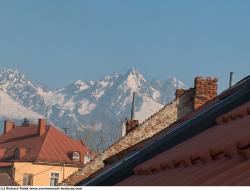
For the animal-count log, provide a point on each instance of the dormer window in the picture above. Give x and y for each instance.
(76, 156)
(17, 153)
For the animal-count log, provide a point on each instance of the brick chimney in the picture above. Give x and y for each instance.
(205, 89)
(41, 127)
(8, 126)
(131, 124)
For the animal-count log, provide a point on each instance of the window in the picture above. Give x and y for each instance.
(27, 179)
(54, 179)
(76, 156)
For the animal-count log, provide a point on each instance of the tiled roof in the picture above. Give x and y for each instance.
(53, 146)
(21, 137)
(217, 156)
(184, 129)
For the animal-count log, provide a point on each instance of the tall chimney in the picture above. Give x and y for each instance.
(205, 89)
(41, 127)
(8, 126)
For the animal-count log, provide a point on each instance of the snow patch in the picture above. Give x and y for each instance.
(69, 105)
(97, 93)
(86, 107)
(132, 83)
(148, 107)
(50, 98)
(81, 85)
(156, 94)
(104, 84)
(176, 83)
(14, 110)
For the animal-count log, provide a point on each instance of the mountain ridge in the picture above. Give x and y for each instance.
(99, 105)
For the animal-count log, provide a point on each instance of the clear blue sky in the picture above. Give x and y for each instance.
(55, 42)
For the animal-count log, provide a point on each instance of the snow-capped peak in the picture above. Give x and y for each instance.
(85, 103)
(134, 72)
(176, 83)
(81, 85)
(11, 109)
(134, 80)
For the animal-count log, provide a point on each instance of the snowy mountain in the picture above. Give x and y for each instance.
(11, 109)
(82, 105)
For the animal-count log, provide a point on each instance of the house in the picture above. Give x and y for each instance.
(40, 155)
(209, 146)
(186, 101)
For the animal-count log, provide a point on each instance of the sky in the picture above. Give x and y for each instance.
(55, 42)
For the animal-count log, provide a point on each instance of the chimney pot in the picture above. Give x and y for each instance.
(131, 125)
(41, 127)
(8, 126)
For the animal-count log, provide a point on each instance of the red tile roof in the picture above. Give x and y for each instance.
(53, 146)
(218, 156)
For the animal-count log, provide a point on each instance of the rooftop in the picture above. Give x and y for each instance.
(184, 132)
(217, 156)
(51, 146)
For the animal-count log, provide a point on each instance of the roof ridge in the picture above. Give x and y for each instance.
(45, 138)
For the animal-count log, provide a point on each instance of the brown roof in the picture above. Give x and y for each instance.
(218, 156)
(53, 146)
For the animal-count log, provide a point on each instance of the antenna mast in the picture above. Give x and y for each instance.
(133, 106)
(231, 79)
